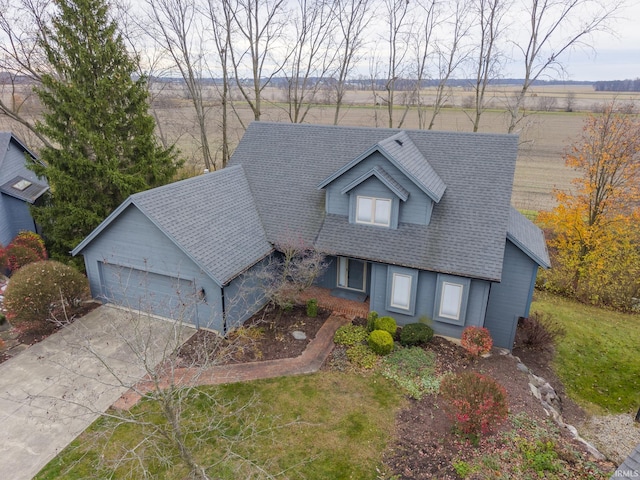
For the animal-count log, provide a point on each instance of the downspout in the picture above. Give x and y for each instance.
(224, 312)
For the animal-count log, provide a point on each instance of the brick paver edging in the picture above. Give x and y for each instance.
(308, 362)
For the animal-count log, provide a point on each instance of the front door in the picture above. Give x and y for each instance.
(352, 274)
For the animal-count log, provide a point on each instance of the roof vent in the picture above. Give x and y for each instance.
(399, 142)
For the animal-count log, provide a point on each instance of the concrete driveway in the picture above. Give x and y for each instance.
(52, 391)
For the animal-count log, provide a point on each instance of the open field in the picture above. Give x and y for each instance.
(544, 137)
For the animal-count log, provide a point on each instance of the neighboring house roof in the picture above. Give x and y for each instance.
(212, 218)
(529, 238)
(23, 189)
(285, 163)
(630, 468)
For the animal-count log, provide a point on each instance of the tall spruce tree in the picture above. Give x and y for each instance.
(96, 116)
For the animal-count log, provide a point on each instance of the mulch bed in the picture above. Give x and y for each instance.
(265, 336)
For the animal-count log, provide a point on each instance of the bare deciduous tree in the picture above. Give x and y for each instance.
(178, 25)
(554, 27)
(258, 29)
(311, 58)
(450, 54)
(354, 16)
(489, 23)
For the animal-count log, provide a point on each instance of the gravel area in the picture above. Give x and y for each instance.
(614, 435)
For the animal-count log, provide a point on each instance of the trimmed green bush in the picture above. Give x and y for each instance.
(388, 324)
(362, 356)
(371, 319)
(476, 403)
(381, 342)
(39, 288)
(350, 335)
(415, 334)
(312, 308)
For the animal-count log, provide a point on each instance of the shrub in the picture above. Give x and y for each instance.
(474, 402)
(350, 335)
(362, 356)
(412, 369)
(26, 248)
(476, 340)
(312, 308)
(539, 331)
(371, 320)
(415, 334)
(388, 324)
(38, 288)
(381, 342)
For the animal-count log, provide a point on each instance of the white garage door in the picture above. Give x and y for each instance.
(149, 292)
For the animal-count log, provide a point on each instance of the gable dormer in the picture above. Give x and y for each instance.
(392, 182)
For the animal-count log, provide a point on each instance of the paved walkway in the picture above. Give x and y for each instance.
(308, 362)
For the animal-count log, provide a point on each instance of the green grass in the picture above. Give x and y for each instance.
(598, 360)
(327, 425)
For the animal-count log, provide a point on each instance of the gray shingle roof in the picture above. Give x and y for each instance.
(630, 468)
(384, 177)
(212, 218)
(284, 163)
(528, 238)
(414, 162)
(29, 194)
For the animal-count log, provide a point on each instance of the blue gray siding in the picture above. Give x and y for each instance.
(243, 296)
(14, 214)
(417, 209)
(425, 301)
(511, 298)
(133, 242)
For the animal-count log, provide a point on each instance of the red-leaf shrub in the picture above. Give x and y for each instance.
(476, 340)
(474, 402)
(27, 247)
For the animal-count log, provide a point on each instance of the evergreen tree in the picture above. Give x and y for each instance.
(96, 116)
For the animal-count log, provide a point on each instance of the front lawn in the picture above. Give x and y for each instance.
(327, 425)
(598, 360)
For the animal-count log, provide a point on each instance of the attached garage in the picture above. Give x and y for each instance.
(182, 251)
(150, 292)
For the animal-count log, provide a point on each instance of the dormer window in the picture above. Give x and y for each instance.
(373, 211)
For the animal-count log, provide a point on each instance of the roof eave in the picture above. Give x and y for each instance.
(544, 263)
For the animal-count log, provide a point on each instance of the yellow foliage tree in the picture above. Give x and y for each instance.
(593, 232)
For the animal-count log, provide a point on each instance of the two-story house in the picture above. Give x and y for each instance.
(417, 223)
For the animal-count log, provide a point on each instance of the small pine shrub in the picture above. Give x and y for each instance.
(312, 308)
(26, 248)
(474, 402)
(415, 334)
(539, 331)
(287, 307)
(388, 324)
(476, 340)
(38, 288)
(371, 320)
(350, 335)
(362, 356)
(381, 342)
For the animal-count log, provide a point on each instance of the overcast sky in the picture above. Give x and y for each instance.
(615, 58)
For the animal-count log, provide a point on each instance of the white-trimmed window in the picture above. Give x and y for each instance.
(451, 300)
(452, 294)
(401, 291)
(373, 211)
(402, 288)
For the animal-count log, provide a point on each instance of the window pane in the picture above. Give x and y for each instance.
(364, 210)
(383, 212)
(451, 299)
(401, 291)
(342, 271)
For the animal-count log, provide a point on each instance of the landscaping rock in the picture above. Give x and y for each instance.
(298, 335)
